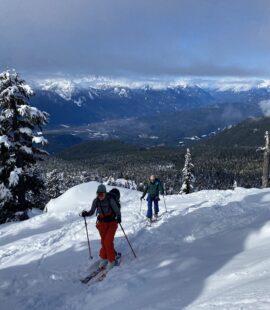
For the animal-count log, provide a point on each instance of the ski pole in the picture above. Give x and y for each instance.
(128, 241)
(165, 203)
(88, 239)
(141, 205)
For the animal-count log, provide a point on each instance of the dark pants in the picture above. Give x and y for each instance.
(150, 201)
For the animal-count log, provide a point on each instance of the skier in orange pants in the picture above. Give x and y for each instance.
(108, 218)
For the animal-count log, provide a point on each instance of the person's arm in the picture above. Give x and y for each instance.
(145, 191)
(92, 210)
(160, 188)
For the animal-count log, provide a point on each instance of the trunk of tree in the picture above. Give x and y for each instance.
(188, 190)
(265, 177)
(19, 160)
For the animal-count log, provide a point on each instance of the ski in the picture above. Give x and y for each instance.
(100, 273)
(92, 275)
(154, 220)
(103, 275)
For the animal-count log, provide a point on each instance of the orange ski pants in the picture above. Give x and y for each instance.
(107, 232)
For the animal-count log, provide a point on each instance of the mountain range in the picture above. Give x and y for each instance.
(81, 103)
(148, 114)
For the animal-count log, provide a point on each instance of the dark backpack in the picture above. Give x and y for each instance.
(115, 195)
(157, 182)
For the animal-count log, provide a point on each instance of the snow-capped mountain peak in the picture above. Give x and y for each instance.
(122, 92)
(64, 88)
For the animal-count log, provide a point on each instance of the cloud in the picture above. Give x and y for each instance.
(265, 107)
(140, 38)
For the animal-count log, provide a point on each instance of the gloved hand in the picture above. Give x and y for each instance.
(119, 220)
(85, 213)
(141, 198)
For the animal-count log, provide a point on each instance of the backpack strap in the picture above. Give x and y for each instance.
(110, 196)
(101, 209)
(105, 218)
(109, 200)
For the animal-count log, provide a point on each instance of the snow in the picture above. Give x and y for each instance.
(40, 139)
(4, 139)
(9, 92)
(121, 92)
(28, 90)
(80, 101)
(66, 87)
(14, 176)
(26, 110)
(210, 251)
(8, 113)
(91, 96)
(5, 194)
(121, 182)
(26, 130)
(26, 149)
(11, 85)
(34, 212)
(194, 138)
(264, 84)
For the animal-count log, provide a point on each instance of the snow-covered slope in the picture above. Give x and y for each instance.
(210, 251)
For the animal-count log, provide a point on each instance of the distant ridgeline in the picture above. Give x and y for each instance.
(215, 167)
(146, 115)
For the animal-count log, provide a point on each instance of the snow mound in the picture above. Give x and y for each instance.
(74, 199)
(80, 197)
(209, 251)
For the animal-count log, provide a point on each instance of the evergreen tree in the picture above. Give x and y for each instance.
(53, 185)
(20, 132)
(187, 175)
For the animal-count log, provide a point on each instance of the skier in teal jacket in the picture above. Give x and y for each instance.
(153, 189)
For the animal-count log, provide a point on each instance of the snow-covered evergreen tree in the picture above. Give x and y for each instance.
(187, 176)
(20, 132)
(53, 184)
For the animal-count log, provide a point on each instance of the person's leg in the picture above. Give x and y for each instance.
(109, 241)
(149, 207)
(102, 228)
(156, 206)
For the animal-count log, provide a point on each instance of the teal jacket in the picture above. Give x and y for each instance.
(153, 189)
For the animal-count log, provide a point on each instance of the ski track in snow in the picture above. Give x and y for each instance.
(210, 251)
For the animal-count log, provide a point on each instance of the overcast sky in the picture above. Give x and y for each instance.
(136, 38)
